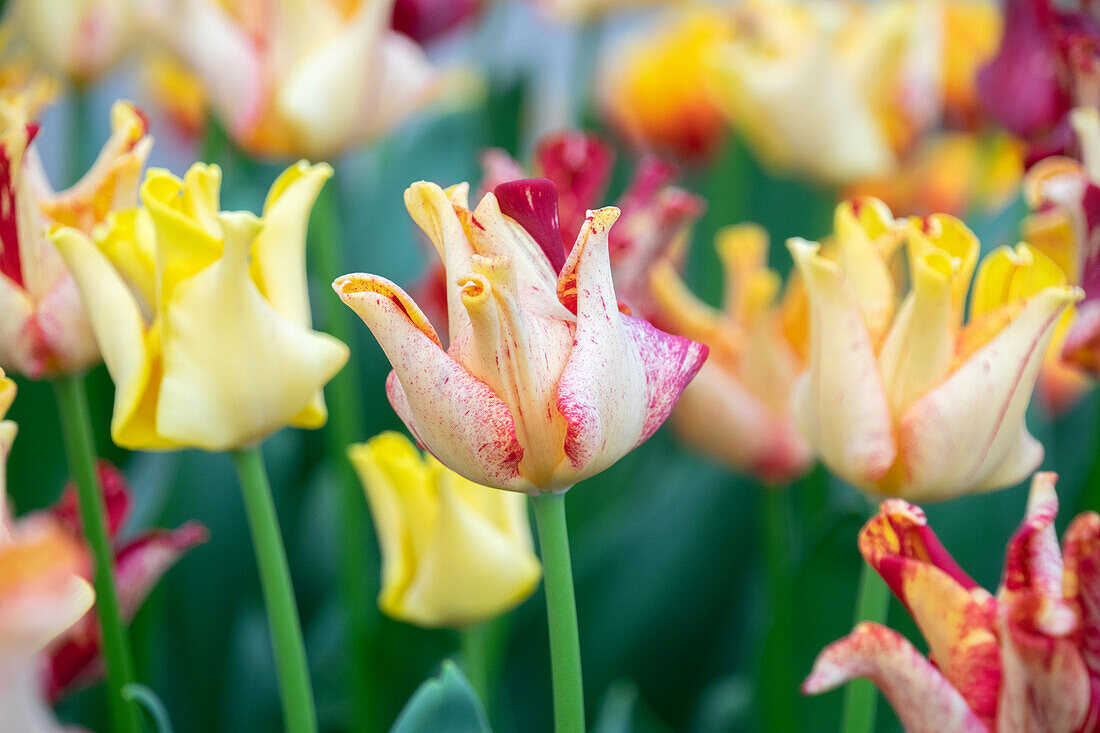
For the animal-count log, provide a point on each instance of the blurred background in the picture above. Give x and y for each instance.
(668, 547)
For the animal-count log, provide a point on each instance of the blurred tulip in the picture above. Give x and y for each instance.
(971, 32)
(545, 382)
(43, 593)
(903, 399)
(453, 552)
(46, 329)
(738, 408)
(79, 39)
(74, 658)
(289, 78)
(1023, 660)
(1065, 225)
(828, 89)
(203, 316)
(951, 173)
(424, 20)
(655, 88)
(1048, 63)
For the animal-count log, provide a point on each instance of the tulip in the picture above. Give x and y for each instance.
(1022, 660)
(655, 90)
(203, 316)
(903, 399)
(46, 329)
(74, 657)
(827, 89)
(299, 78)
(972, 30)
(424, 20)
(1064, 196)
(545, 382)
(453, 553)
(738, 409)
(80, 39)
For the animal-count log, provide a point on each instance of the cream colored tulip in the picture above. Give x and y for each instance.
(79, 39)
(203, 316)
(453, 552)
(299, 78)
(828, 89)
(45, 329)
(902, 399)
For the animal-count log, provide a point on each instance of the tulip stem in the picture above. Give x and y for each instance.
(777, 694)
(860, 696)
(357, 558)
(286, 630)
(76, 427)
(561, 612)
(476, 653)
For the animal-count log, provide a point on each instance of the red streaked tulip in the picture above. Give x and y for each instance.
(545, 382)
(290, 78)
(46, 329)
(902, 398)
(1023, 660)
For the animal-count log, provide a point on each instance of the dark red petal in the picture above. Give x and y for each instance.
(533, 203)
(116, 498)
(1024, 87)
(423, 20)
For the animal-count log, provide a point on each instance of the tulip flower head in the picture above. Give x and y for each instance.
(79, 39)
(203, 316)
(545, 382)
(655, 90)
(1022, 660)
(289, 78)
(46, 329)
(903, 399)
(827, 89)
(1064, 195)
(738, 408)
(453, 552)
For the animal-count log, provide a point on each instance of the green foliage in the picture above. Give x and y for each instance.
(443, 704)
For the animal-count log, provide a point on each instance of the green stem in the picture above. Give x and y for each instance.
(286, 630)
(80, 120)
(779, 692)
(1089, 500)
(561, 612)
(860, 696)
(80, 449)
(475, 655)
(357, 582)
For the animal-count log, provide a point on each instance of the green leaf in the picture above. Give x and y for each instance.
(444, 704)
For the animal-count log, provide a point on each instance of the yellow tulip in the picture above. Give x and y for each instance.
(738, 408)
(45, 329)
(203, 316)
(453, 552)
(298, 78)
(827, 89)
(80, 39)
(903, 399)
(654, 88)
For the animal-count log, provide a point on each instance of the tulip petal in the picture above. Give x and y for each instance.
(969, 430)
(866, 238)
(841, 405)
(234, 368)
(20, 350)
(579, 164)
(615, 360)
(1033, 561)
(1082, 591)
(923, 700)
(434, 212)
(455, 416)
(132, 356)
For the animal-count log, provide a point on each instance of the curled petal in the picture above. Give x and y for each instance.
(623, 376)
(455, 416)
(969, 430)
(579, 164)
(1034, 560)
(924, 701)
(1082, 589)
